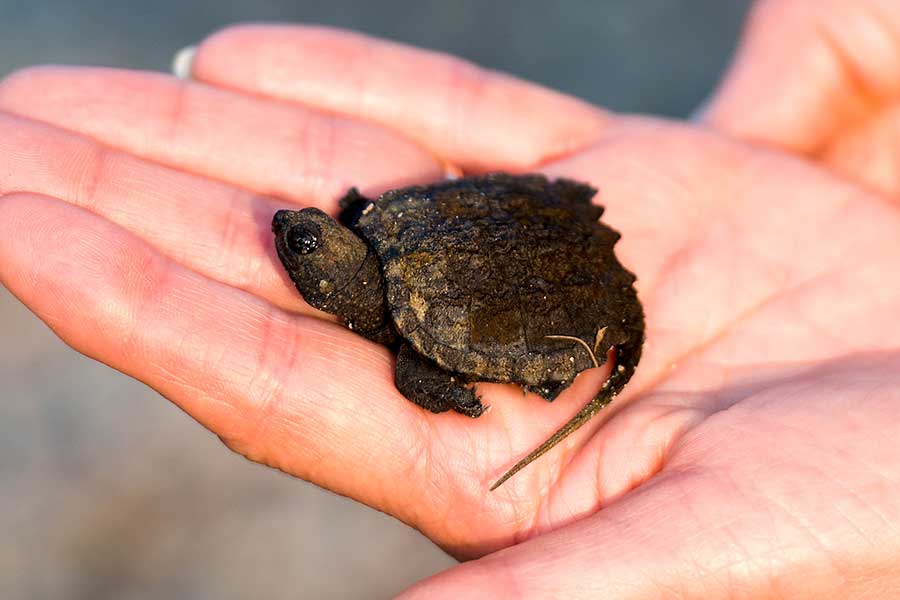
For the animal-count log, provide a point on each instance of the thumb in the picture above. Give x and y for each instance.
(807, 69)
(680, 538)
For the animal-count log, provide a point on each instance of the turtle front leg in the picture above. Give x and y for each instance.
(424, 382)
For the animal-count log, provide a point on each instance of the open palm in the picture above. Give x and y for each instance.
(757, 438)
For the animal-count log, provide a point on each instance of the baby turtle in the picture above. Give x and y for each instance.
(493, 278)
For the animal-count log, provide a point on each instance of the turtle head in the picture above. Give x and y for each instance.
(334, 270)
(301, 242)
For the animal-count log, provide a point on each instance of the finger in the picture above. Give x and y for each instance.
(270, 147)
(642, 546)
(808, 68)
(663, 538)
(305, 396)
(220, 231)
(478, 119)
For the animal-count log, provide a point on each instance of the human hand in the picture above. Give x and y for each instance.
(821, 78)
(752, 454)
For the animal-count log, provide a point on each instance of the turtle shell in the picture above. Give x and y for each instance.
(484, 274)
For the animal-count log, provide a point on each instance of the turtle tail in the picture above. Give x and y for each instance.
(628, 355)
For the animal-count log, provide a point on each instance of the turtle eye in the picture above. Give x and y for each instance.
(303, 239)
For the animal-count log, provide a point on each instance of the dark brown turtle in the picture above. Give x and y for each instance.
(494, 278)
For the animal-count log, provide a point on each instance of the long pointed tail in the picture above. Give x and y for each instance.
(627, 357)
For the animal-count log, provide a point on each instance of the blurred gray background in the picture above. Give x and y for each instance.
(107, 490)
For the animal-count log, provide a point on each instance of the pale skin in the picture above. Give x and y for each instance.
(754, 454)
(834, 100)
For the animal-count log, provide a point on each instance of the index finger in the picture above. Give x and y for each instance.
(478, 119)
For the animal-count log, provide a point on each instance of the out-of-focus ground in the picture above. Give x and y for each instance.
(107, 490)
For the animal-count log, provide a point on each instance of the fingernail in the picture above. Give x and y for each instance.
(184, 59)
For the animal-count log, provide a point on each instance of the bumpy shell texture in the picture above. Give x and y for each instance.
(483, 274)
